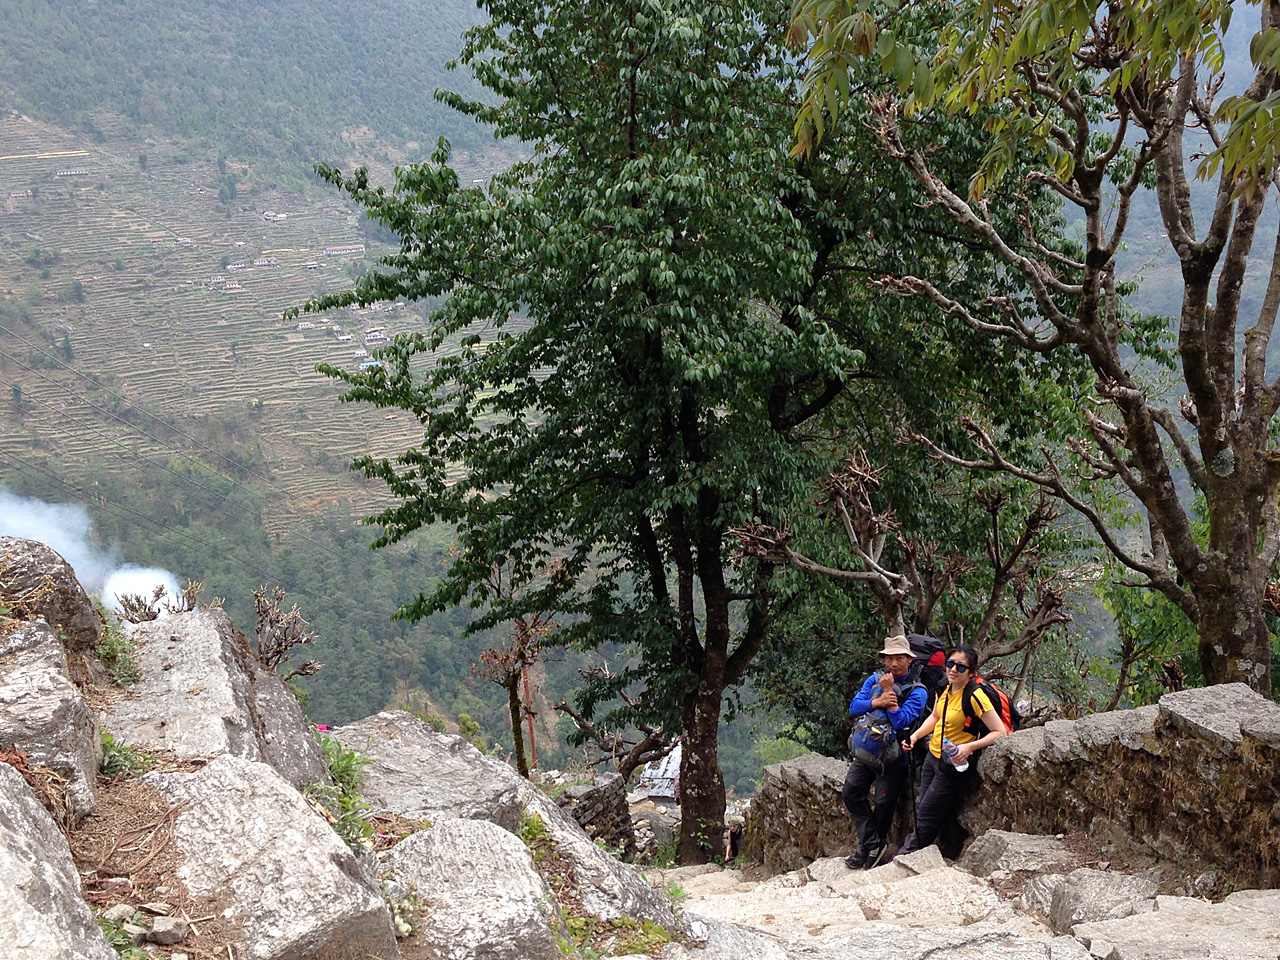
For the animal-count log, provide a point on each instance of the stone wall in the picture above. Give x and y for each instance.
(1194, 781)
(601, 810)
(797, 816)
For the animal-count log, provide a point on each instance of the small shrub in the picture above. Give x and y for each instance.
(120, 942)
(407, 913)
(118, 758)
(116, 654)
(347, 811)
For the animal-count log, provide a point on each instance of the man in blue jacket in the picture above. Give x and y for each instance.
(898, 696)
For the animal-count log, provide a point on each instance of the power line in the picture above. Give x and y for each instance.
(321, 546)
(166, 533)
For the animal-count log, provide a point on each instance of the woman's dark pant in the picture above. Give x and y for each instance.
(941, 790)
(872, 827)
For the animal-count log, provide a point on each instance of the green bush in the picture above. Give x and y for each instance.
(116, 654)
(118, 758)
(348, 812)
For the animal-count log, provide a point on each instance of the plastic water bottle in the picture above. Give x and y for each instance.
(950, 750)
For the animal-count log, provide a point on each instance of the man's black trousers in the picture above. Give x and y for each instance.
(872, 825)
(941, 791)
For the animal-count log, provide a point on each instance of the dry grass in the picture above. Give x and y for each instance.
(125, 852)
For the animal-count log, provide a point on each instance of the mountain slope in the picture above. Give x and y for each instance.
(254, 79)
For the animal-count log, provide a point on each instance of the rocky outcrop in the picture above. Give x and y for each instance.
(42, 915)
(36, 582)
(1194, 780)
(44, 715)
(296, 890)
(483, 896)
(417, 772)
(203, 693)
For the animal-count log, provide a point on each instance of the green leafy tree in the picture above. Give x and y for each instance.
(634, 345)
(1111, 99)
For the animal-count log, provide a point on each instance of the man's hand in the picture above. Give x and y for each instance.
(885, 701)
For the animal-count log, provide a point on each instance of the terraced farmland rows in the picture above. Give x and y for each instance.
(111, 268)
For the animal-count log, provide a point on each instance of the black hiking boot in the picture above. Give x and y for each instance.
(873, 857)
(857, 860)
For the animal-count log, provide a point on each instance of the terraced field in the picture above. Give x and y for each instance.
(140, 339)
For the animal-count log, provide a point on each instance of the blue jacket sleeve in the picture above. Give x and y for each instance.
(862, 702)
(907, 712)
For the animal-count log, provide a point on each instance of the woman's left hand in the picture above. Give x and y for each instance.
(963, 752)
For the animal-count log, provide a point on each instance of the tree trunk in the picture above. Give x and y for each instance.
(517, 737)
(1235, 644)
(701, 782)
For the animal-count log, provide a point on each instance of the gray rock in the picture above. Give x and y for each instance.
(1216, 714)
(416, 772)
(296, 889)
(203, 693)
(1242, 927)
(888, 942)
(716, 940)
(27, 566)
(1037, 895)
(1133, 729)
(43, 713)
(167, 931)
(1011, 755)
(1002, 850)
(1061, 742)
(484, 897)
(1087, 896)
(121, 911)
(42, 915)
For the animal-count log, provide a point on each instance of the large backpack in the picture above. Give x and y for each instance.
(929, 657)
(999, 699)
(873, 740)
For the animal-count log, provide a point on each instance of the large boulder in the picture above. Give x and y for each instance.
(1182, 781)
(483, 896)
(43, 714)
(1242, 927)
(417, 772)
(1087, 896)
(203, 693)
(36, 582)
(296, 890)
(42, 915)
(999, 850)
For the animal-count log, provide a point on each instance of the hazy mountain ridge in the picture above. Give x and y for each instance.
(255, 79)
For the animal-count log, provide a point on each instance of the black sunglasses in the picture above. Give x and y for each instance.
(956, 665)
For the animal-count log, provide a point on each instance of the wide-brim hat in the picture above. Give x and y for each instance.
(896, 645)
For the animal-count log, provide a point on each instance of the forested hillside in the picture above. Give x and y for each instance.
(278, 79)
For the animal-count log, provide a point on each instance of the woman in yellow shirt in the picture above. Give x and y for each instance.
(942, 786)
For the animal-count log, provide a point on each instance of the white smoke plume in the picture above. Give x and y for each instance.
(66, 528)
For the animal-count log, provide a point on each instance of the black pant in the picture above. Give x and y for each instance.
(941, 790)
(872, 827)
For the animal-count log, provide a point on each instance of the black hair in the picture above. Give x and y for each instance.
(970, 656)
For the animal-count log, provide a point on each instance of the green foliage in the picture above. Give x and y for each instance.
(665, 855)
(116, 654)
(120, 758)
(119, 940)
(347, 809)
